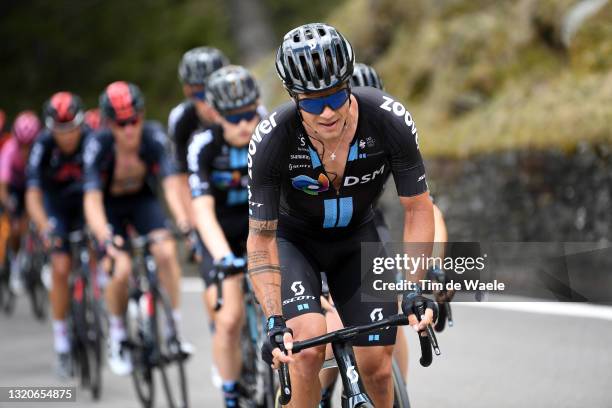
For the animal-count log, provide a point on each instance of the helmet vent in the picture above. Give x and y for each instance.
(340, 57)
(292, 67)
(321, 32)
(305, 68)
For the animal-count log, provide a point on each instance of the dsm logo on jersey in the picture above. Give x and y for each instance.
(309, 185)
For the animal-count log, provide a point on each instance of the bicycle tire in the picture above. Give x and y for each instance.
(140, 354)
(94, 341)
(8, 297)
(400, 391)
(38, 300)
(170, 354)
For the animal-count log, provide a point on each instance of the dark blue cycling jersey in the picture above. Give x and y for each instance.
(58, 175)
(287, 181)
(183, 122)
(220, 170)
(99, 158)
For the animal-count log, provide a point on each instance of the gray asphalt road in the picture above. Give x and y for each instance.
(491, 358)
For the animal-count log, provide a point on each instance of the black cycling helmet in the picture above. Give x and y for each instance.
(198, 63)
(121, 101)
(365, 75)
(63, 111)
(231, 87)
(314, 57)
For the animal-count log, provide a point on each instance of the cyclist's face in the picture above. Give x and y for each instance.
(197, 94)
(128, 133)
(68, 141)
(239, 134)
(329, 123)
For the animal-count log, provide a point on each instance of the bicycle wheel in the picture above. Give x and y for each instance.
(7, 296)
(141, 346)
(400, 391)
(93, 341)
(172, 360)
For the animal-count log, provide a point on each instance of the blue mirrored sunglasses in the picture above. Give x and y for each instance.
(317, 105)
(238, 117)
(199, 95)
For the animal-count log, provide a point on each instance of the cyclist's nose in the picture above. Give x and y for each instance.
(327, 112)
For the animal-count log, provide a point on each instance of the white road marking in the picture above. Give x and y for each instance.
(550, 308)
(191, 284)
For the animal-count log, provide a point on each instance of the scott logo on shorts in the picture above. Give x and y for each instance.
(297, 288)
(376, 314)
(309, 185)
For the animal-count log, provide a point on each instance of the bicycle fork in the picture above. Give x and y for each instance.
(354, 391)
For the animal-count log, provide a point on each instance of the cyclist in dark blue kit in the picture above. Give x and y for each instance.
(217, 159)
(316, 166)
(123, 165)
(193, 113)
(54, 200)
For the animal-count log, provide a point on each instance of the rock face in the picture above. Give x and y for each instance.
(522, 196)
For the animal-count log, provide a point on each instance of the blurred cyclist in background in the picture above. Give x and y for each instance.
(217, 159)
(93, 119)
(54, 200)
(193, 113)
(13, 158)
(4, 133)
(124, 163)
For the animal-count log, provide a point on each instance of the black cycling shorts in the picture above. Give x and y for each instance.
(302, 257)
(17, 195)
(236, 230)
(65, 217)
(142, 211)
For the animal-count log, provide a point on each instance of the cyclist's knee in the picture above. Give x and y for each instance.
(122, 268)
(164, 253)
(375, 364)
(308, 361)
(60, 263)
(229, 324)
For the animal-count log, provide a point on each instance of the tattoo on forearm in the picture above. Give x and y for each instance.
(257, 258)
(264, 268)
(267, 228)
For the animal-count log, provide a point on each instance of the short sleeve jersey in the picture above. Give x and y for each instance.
(99, 157)
(59, 175)
(218, 169)
(288, 182)
(12, 164)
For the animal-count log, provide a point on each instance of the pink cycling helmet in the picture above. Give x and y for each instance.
(26, 127)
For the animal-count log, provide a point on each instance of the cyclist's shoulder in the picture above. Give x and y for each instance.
(9, 147)
(382, 111)
(204, 138)
(153, 134)
(282, 122)
(181, 113)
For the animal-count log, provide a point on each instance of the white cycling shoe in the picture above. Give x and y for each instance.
(119, 359)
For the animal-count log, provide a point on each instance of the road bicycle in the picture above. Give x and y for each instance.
(256, 384)
(153, 341)
(87, 317)
(354, 394)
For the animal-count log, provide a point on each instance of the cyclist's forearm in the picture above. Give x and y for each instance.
(440, 234)
(172, 192)
(95, 215)
(208, 227)
(418, 228)
(35, 208)
(264, 267)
